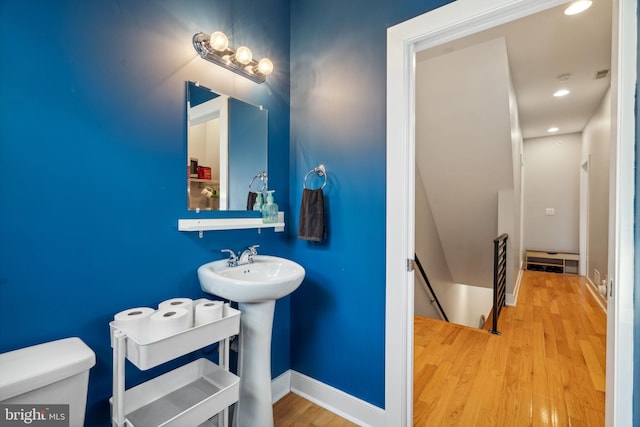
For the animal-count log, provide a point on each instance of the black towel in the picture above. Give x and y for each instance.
(251, 200)
(312, 222)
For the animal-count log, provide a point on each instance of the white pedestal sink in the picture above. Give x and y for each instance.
(255, 286)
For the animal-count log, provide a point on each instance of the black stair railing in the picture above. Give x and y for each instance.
(433, 294)
(499, 278)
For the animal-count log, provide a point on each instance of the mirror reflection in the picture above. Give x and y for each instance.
(226, 150)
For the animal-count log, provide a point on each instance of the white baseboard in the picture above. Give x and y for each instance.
(280, 386)
(340, 403)
(512, 299)
(596, 295)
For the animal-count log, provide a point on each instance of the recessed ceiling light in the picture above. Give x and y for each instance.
(553, 129)
(577, 7)
(561, 92)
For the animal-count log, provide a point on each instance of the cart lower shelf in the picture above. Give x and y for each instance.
(187, 396)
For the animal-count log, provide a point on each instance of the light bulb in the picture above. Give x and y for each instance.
(219, 41)
(553, 129)
(561, 92)
(265, 66)
(577, 7)
(243, 55)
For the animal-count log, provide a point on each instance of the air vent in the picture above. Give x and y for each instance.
(602, 74)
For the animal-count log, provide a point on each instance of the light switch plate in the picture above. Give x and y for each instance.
(550, 211)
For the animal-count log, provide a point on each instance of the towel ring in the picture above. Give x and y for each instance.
(319, 170)
(263, 178)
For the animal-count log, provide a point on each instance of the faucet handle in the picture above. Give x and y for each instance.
(254, 249)
(233, 259)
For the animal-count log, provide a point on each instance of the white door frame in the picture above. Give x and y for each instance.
(584, 218)
(452, 21)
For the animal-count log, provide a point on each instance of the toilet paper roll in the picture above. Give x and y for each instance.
(167, 321)
(134, 322)
(208, 311)
(185, 303)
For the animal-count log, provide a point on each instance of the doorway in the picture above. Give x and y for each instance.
(447, 23)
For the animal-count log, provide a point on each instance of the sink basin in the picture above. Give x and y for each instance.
(267, 278)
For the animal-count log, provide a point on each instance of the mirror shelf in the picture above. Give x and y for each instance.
(210, 224)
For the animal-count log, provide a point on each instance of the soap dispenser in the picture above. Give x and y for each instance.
(270, 209)
(257, 206)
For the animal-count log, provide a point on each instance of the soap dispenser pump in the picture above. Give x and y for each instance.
(270, 209)
(257, 206)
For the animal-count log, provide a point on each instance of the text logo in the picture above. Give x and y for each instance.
(12, 415)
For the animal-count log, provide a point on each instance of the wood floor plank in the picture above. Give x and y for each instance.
(596, 371)
(546, 369)
(295, 411)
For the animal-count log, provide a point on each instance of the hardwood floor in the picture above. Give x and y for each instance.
(546, 369)
(295, 411)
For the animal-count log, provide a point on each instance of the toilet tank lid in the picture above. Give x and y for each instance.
(33, 367)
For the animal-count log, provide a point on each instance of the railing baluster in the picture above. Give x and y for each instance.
(499, 278)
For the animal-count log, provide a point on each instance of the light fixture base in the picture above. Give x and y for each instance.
(202, 45)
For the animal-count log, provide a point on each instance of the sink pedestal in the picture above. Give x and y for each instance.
(254, 408)
(255, 286)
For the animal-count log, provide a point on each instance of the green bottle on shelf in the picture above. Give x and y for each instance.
(270, 209)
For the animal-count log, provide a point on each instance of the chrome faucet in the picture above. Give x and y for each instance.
(233, 259)
(247, 255)
(244, 257)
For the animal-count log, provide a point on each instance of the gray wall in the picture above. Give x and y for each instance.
(429, 250)
(595, 148)
(464, 151)
(552, 180)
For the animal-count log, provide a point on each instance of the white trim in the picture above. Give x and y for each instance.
(280, 386)
(584, 217)
(330, 398)
(596, 295)
(449, 22)
(340, 403)
(399, 290)
(619, 397)
(512, 298)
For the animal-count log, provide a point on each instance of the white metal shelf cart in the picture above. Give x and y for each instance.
(198, 393)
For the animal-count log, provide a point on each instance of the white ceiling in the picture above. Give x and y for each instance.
(543, 47)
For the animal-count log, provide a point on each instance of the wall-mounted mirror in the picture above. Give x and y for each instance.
(226, 150)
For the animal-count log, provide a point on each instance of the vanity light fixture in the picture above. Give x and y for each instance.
(215, 48)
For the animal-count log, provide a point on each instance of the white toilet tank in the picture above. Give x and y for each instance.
(52, 373)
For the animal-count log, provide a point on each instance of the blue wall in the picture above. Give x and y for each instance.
(93, 162)
(338, 113)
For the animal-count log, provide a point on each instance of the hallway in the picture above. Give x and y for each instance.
(546, 369)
